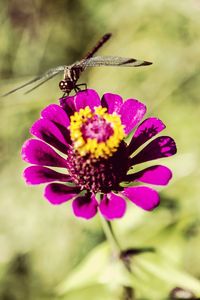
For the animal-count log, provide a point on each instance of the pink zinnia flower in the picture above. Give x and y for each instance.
(90, 134)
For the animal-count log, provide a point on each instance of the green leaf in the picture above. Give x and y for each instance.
(99, 267)
(156, 275)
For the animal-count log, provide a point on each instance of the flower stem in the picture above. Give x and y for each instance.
(128, 292)
(110, 235)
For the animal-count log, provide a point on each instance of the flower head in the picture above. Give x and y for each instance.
(95, 159)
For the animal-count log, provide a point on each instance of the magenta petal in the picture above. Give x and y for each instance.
(85, 206)
(142, 196)
(163, 146)
(112, 102)
(48, 132)
(159, 175)
(132, 112)
(57, 193)
(87, 98)
(145, 131)
(56, 114)
(68, 104)
(112, 206)
(38, 153)
(38, 174)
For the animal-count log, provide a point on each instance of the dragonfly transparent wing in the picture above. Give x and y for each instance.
(118, 61)
(46, 76)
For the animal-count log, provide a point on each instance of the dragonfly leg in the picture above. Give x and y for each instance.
(77, 87)
(65, 95)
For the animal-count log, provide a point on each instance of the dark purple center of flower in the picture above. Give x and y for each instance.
(97, 128)
(98, 175)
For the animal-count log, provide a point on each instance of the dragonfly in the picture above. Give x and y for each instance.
(72, 72)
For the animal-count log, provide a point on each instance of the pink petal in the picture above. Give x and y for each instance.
(163, 146)
(38, 153)
(87, 98)
(68, 104)
(85, 206)
(38, 174)
(145, 131)
(112, 206)
(49, 133)
(159, 175)
(57, 193)
(112, 102)
(56, 114)
(142, 196)
(132, 112)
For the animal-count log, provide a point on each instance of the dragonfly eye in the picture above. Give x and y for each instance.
(66, 86)
(63, 86)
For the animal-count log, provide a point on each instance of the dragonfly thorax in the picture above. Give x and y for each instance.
(71, 76)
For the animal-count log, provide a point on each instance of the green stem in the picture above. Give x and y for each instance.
(111, 237)
(117, 251)
(109, 233)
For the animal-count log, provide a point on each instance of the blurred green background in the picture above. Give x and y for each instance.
(45, 252)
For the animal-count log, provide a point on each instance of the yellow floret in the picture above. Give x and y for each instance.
(92, 146)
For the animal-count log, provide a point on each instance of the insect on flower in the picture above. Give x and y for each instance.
(73, 72)
(94, 158)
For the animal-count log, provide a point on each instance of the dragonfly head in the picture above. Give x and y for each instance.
(66, 86)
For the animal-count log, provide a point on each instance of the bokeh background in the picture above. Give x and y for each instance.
(45, 252)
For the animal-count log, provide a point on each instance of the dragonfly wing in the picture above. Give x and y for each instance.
(114, 61)
(39, 84)
(46, 76)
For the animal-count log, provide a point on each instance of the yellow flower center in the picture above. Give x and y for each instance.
(97, 133)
